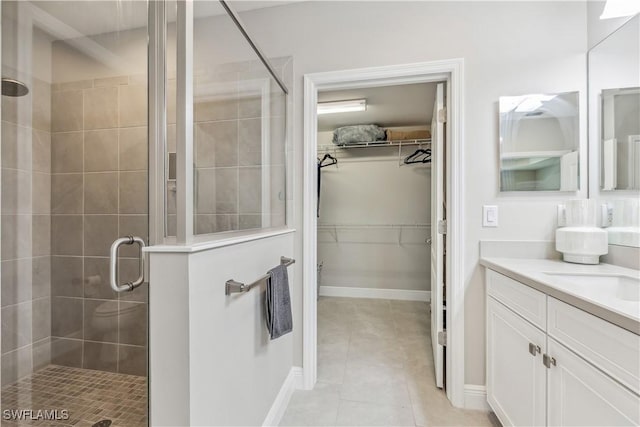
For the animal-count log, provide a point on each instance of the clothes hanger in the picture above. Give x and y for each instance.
(333, 161)
(415, 157)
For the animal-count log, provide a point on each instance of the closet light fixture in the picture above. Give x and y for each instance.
(349, 106)
(620, 8)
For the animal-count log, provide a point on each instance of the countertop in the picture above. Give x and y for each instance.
(531, 272)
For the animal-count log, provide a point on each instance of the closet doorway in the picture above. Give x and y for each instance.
(380, 256)
(375, 227)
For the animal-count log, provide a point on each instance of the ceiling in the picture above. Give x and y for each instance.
(99, 17)
(388, 106)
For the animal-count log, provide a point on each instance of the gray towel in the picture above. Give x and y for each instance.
(278, 303)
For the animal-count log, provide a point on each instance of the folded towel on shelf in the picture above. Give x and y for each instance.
(403, 135)
(278, 303)
(358, 133)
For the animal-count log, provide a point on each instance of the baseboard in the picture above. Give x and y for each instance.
(475, 397)
(352, 292)
(293, 382)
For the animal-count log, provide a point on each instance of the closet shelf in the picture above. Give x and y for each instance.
(395, 143)
(337, 229)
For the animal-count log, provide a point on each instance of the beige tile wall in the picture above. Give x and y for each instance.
(25, 222)
(228, 158)
(98, 193)
(228, 132)
(227, 155)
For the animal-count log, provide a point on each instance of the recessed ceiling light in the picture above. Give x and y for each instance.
(349, 106)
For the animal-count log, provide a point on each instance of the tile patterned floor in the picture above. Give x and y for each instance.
(88, 396)
(375, 368)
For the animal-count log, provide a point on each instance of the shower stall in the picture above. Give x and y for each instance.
(154, 119)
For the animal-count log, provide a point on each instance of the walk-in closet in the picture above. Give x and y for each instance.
(374, 196)
(374, 243)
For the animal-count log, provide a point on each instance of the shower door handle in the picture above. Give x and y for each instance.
(113, 264)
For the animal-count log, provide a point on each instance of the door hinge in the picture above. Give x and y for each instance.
(442, 226)
(442, 115)
(548, 360)
(442, 338)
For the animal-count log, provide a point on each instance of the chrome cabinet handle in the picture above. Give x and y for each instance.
(534, 349)
(548, 360)
(113, 264)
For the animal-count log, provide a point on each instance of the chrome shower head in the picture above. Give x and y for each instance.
(11, 87)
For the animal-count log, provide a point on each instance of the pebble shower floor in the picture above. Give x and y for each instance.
(88, 396)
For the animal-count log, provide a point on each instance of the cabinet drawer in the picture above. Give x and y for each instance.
(522, 299)
(612, 349)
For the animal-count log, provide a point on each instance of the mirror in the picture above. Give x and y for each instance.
(539, 140)
(620, 139)
(614, 131)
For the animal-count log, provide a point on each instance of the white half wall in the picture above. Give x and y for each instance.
(169, 367)
(212, 361)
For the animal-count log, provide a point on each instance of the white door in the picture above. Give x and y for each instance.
(516, 376)
(581, 395)
(437, 239)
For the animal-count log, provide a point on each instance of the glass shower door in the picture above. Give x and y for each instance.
(74, 178)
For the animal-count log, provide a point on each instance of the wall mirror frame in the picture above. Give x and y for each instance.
(614, 132)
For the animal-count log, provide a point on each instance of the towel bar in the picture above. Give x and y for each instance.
(232, 287)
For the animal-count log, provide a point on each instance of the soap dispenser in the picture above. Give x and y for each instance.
(579, 239)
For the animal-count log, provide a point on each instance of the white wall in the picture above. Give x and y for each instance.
(369, 187)
(212, 361)
(510, 48)
(598, 29)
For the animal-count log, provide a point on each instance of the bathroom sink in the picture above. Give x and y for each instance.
(619, 286)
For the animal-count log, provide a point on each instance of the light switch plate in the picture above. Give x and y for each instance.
(489, 216)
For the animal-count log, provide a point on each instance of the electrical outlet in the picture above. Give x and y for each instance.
(562, 215)
(606, 215)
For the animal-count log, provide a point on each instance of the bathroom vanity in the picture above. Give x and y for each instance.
(563, 342)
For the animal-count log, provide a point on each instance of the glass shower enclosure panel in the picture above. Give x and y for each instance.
(74, 162)
(239, 129)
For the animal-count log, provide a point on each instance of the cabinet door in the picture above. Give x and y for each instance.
(582, 395)
(516, 378)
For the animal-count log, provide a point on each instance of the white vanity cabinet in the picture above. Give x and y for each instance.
(549, 363)
(580, 394)
(516, 377)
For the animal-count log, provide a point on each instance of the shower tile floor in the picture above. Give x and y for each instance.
(375, 367)
(89, 396)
